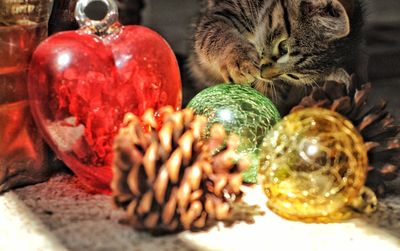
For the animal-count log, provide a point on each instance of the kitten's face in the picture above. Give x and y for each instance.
(299, 44)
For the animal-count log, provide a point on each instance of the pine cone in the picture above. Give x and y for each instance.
(170, 180)
(373, 121)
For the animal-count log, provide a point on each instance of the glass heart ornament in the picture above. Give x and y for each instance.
(81, 83)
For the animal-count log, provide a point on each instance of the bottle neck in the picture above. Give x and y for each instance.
(24, 12)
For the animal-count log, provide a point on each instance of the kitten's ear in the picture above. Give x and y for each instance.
(329, 15)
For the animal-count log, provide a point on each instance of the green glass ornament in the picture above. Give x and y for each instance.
(241, 110)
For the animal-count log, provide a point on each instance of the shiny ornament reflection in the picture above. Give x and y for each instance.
(314, 166)
(241, 110)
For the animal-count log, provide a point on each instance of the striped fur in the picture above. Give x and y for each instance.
(275, 45)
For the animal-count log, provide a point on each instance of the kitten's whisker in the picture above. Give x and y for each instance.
(304, 88)
(274, 93)
(314, 83)
(261, 78)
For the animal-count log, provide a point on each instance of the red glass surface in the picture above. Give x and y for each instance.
(81, 85)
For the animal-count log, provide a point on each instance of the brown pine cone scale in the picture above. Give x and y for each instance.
(171, 180)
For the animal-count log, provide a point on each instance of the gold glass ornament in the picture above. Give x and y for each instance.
(314, 167)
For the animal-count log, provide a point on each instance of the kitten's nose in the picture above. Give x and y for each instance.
(270, 71)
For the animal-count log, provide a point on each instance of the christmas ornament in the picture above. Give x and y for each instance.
(314, 168)
(375, 124)
(170, 180)
(83, 82)
(241, 110)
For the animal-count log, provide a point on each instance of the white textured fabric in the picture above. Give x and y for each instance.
(83, 221)
(20, 230)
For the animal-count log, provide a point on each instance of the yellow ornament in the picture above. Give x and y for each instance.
(314, 167)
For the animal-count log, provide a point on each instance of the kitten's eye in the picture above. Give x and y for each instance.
(283, 48)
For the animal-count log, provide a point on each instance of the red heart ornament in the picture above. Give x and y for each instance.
(81, 85)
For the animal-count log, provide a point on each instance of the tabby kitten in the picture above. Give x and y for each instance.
(275, 45)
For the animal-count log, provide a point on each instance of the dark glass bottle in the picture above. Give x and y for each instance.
(130, 11)
(62, 16)
(23, 157)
